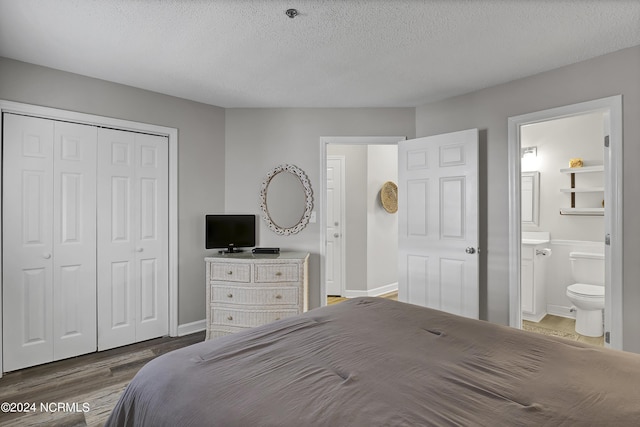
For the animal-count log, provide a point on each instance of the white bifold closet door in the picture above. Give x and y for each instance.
(49, 240)
(85, 239)
(133, 237)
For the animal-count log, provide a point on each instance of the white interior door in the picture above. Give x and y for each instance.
(74, 240)
(27, 265)
(335, 226)
(152, 236)
(438, 223)
(132, 237)
(48, 241)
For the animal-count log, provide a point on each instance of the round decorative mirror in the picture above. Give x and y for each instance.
(286, 199)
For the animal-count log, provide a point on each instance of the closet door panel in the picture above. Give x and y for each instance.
(121, 289)
(116, 250)
(27, 241)
(74, 247)
(152, 236)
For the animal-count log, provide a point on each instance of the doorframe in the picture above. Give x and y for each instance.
(339, 140)
(343, 275)
(613, 209)
(101, 121)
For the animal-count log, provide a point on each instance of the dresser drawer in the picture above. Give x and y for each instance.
(250, 318)
(216, 331)
(274, 273)
(257, 295)
(230, 272)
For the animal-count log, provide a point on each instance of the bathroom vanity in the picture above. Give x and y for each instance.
(534, 254)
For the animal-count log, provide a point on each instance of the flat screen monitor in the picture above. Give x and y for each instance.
(230, 232)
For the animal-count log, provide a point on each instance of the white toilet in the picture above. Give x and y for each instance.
(587, 292)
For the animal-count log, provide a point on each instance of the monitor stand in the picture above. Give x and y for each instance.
(230, 250)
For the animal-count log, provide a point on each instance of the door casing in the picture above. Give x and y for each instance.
(613, 208)
(344, 140)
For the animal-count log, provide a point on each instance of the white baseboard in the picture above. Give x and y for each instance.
(391, 287)
(560, 310)
(532, 318)
(192, 328)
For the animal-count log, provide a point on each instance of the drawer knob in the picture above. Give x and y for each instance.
(278, 296)
(278, 273)
(229, 317)
(229, 272)
(230, 295)
(277, 318)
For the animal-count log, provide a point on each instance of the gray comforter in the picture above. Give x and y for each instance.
(376, 362)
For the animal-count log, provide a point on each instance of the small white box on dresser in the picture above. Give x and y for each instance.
(246, 290)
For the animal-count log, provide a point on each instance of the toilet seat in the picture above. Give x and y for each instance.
(583, 290)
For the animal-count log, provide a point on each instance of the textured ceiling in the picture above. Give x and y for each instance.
(340, 53)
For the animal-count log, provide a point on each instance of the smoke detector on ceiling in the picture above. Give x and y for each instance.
(291, 13)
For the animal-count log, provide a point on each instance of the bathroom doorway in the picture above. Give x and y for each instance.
(562, 212)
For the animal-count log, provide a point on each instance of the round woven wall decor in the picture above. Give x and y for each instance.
(389, 197)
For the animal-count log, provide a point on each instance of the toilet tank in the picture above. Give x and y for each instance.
(587, 268)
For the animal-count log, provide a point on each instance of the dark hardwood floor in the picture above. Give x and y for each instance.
(87, 386)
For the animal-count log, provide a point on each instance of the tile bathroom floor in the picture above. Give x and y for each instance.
(566, 325)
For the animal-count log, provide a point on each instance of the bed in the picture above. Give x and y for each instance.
(377, 362)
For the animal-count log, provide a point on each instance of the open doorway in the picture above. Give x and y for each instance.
(359, 238)
(563, 209)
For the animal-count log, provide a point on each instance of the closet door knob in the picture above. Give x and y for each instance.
(46, 255)
(139, 249)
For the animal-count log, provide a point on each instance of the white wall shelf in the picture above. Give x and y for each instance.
(584, 169)
(582, 211)
(573, 210)
(583, 190)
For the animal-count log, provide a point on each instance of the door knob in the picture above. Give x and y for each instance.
(139, 249)
(46, 255)
(336, 235)
(470, 250)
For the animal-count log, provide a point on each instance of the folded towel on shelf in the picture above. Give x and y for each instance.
(575, 163)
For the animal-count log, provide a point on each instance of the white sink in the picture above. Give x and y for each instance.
(535, 237)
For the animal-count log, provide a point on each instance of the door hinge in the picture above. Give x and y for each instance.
(606, 141)
(607, 239)
(607, 337)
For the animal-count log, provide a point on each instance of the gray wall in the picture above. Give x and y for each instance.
(488, 110)
(260, 139)
(201, 150)
(382, 226)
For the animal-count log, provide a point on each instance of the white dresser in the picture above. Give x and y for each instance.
(246, 290)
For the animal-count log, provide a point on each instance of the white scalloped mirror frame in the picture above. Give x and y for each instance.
(308, 200)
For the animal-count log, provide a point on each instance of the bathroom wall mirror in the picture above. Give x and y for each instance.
(530, 197)
(286, 199)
